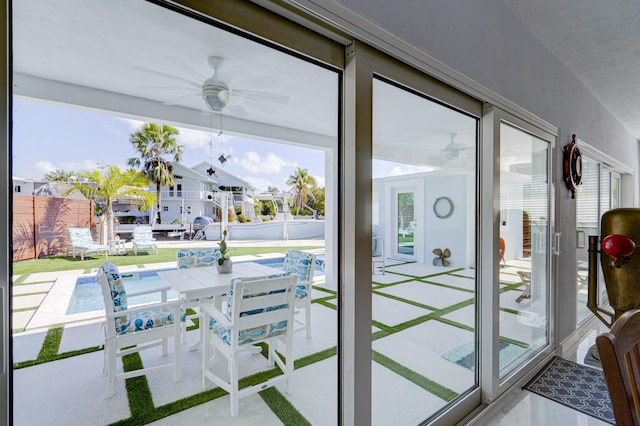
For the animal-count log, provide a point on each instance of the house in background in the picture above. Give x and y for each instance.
(243, 191)
(202, 190)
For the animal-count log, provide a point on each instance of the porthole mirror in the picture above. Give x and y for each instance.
(443, 207)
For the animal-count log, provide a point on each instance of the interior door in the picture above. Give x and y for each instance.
(407, 220)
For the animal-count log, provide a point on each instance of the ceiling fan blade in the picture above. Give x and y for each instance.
(263, 96)
(263, 82)
(261, 106)
(170, 88)
(179, 98)
(188, 69)
(236, 111)
(169, 76)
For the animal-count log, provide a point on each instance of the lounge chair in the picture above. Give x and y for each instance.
(81, 241)
(143, 239)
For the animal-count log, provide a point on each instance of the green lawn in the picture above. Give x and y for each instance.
(65, 263)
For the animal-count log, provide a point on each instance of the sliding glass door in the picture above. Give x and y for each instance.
(424, 306)
(525, 268)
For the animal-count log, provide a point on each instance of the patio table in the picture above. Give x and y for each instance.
(200, 283)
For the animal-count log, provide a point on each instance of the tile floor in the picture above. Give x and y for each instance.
(410, 301)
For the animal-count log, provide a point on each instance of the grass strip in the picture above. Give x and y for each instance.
(51, 344)
(467, 290)
(33, 308)
(326, 304)
(403, 300)
(326, 290)
(35, 293)
(66, 263)
(315, 357)
(282, 408)
(425, 383)
(58, 357)
(21, 279)
(138, 392)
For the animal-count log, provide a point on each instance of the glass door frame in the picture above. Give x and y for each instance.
(490, 383)
(363, 65)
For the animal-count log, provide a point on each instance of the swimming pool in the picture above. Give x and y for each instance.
(87, 295)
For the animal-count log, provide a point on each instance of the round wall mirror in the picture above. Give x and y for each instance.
(443, 207)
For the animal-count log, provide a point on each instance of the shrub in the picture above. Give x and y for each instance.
(242, 218)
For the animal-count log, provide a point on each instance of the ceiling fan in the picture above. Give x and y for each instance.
(452, 150)
(218, 93)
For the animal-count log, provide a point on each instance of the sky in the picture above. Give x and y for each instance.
(48, 138)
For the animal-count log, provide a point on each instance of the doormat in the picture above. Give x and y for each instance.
(577, 386)
(464, 354)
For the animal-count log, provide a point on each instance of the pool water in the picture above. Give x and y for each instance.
(87, 294)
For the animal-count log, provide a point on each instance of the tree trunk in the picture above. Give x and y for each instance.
(109, 221)
(158, 220)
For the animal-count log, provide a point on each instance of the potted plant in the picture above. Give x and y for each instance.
(225, 265)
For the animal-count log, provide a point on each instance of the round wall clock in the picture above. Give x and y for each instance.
(572, 166)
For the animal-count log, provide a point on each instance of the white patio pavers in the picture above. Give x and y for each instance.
(67, 392)
(426, 294)
(419, 348)
(465, 316)
(28, 301)
(397, 401)
(40, 277)
(254, 412)
(26, 346)
(315, 392)
(454, 281)
(81, 336)
(19, 290)
(393, 312)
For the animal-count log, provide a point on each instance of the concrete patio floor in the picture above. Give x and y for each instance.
(419, 311)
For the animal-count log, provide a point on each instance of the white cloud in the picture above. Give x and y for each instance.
(133, 124)
(255, 163)
(260, 183)
(44, 167)
(79, 166)
(319, 181)
(408, 169)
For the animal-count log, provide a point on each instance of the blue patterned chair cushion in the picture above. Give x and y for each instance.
(138, 321)
(301, 263)
(148, 319)
(252, 334)
(118, 294)
(301, 292)
(196, 258)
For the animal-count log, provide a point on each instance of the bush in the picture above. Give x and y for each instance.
(242, 218)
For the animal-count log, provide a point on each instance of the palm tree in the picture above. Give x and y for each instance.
(59, 176)
(152, 141)
(108, 183)
(301, 183)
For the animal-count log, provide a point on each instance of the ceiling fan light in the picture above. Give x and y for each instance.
(452, 154)
(214, 103)
(215, 95)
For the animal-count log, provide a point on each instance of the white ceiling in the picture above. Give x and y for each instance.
(93, 54)
(598, 41)
(102, 54)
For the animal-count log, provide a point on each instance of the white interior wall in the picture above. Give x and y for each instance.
(481, 47)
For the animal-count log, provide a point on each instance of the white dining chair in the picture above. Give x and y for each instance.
(133, 329)
(259, 309)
